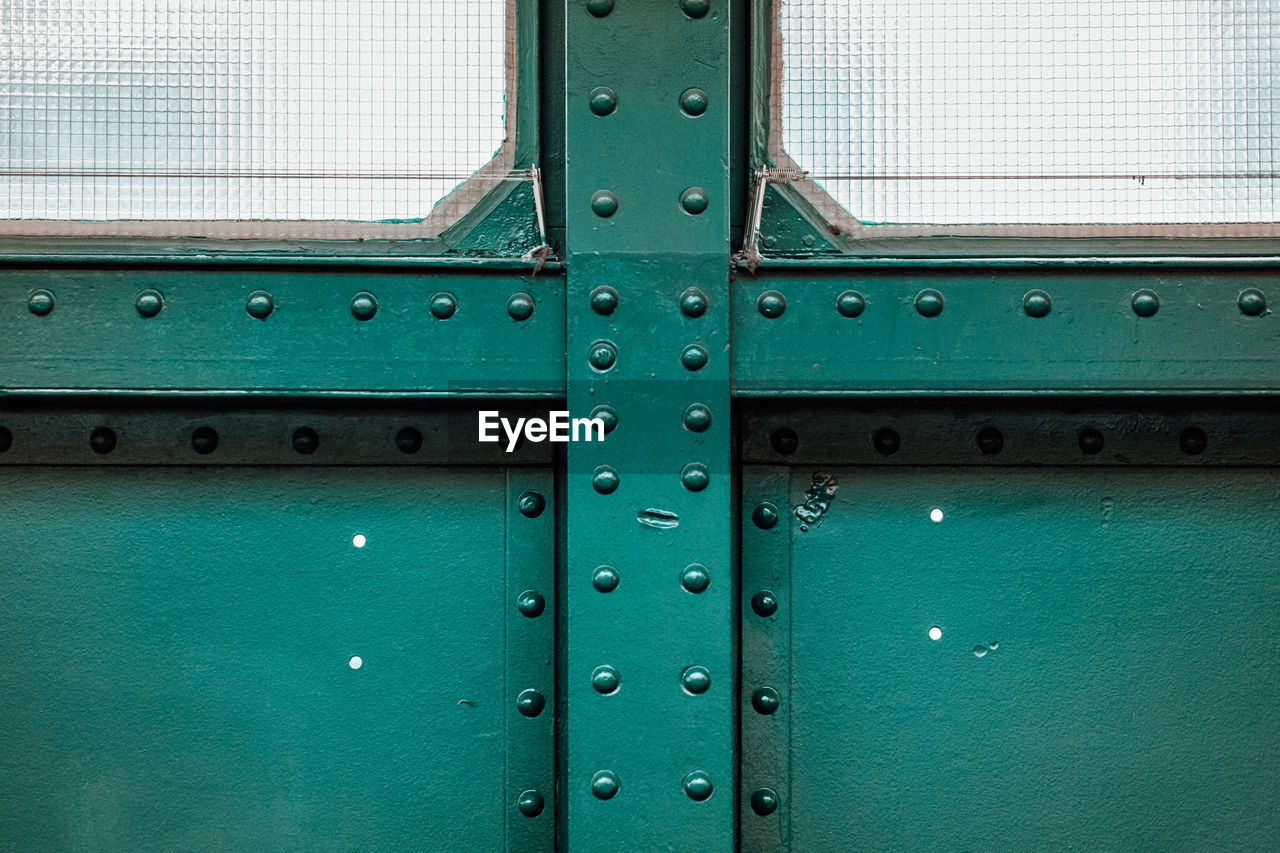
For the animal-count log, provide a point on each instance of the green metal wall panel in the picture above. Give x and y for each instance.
(180, 647)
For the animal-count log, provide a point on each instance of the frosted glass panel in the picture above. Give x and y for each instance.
(1035, 111)
(362, 110)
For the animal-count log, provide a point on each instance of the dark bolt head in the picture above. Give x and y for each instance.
(785, 441)
(764, 801)
(1091, 441)
(1193, 441)
(608, 415)
(604, 204)
(599, 8)
(886, 441)
(605, 784)
(929, 303)
(604, 300)
(1145, 303)
(695, 477)
(602, 355)
(204, 440)
(697, 418)
(694, 200)
(765, 700)
(605, 679)
(771, 304)
(694, 357)
(693, 302)
(1037, 303)
(695, 578)
(695, 679)
(409, 440)
(520, 306)
(765, 515)
(990, 440)
(698, 786)
(6, 439)
(694, 102)
(306, 440)
(102, 440)
(695, 8)
(1252, 302)
(530, 803)
(602, 100)
(605, 578)
(764, 603)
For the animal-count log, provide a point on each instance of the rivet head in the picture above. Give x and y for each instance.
(530, 803)
(605, 578)
(531, 603)
(605, 480)
(694, 357)
(260, 304)
(305, 440)
(693, 302)
(520, 306)
(1091, 441)
(851, 303)
(599, 8)
(602, 355)
(531, 504)
(204, 440)
(886, 441)
(764, 603)
(929, 303)
(765, 515)
(698, 786)
(695, 679)
(808, 240)
(1145, 303)
(607, 414)
(364, 305)
(6, 439)
(765, 700)
(695, 8)
(697, 418)
(1193, 441)
(604, 300)
(530, 703)
(785, 441)
(990, 441)
(694, 200)
(1252, 302)
(604, 203)
(40, 302)
(605, 784)
(603, 100)
(409, 440)
(764, 801)
(769, 240)
(149, 302)
(1037, 303)
(443, 305)
(102, 440)
(771, 304)
(694, 102)
(605, 679)
(695, 578)
(694, 476)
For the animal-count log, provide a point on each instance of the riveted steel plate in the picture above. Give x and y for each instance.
(250, 658)
(283, 330)
(1014, 658)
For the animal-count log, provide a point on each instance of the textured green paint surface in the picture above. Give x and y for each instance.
(1129, 702)
(177, 644)
(1091, 341)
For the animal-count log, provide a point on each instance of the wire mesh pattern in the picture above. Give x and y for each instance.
(356, 110)
(1036, 111)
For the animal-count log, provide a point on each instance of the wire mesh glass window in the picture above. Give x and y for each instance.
(1031, 112)
(223, 110)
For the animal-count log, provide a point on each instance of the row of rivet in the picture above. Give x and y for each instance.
(260, 304)
(1036, 303)
(989, 440)
(603, 355)
(692, 8)
(530, 702)
(204, 440)
(765, 700)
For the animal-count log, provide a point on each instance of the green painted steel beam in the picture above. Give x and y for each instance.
(289, 330)
(649, 671)
(1023, 329)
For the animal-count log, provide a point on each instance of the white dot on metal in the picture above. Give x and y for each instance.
(358, 540)
(935, 514)
(935, 633)
(356, 662)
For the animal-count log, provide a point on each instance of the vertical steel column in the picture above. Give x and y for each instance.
(649, 673)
